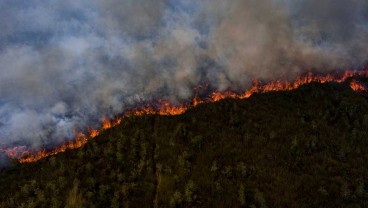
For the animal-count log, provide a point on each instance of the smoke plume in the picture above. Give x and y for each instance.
(66, 64)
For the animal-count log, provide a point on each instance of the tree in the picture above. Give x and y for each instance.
(75, 199)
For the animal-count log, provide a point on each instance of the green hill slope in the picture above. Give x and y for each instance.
(302, 148)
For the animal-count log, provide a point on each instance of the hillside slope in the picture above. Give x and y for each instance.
(302, 148)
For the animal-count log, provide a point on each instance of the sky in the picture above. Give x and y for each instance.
(64, 65)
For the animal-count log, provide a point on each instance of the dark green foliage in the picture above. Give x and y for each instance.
(301, 148)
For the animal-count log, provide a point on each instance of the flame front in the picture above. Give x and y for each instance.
(356, 86)
(166, 108)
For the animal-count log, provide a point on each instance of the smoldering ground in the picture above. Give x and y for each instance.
(66, 64)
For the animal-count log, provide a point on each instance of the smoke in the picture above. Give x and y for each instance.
(4, 160)
(66, 64)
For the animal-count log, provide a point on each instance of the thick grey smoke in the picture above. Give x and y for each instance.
(66, 64)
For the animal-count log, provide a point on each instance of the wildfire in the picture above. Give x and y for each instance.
(106, 124)
(93, 133)
(356, 86)
(163, 107)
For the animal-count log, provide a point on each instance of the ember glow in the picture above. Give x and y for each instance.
(163, 107)
(357, 86)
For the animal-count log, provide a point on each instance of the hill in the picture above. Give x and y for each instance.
(302, 148)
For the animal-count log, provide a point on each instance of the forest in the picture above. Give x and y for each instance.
(306, 147)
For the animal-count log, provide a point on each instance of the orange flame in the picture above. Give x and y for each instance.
(166, 108)
(356, 86)
(106, 124)
(93, 133)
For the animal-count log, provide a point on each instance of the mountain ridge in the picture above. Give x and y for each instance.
(299, 148)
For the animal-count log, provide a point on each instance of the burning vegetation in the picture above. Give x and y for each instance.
(300, 148)
(163, 107)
